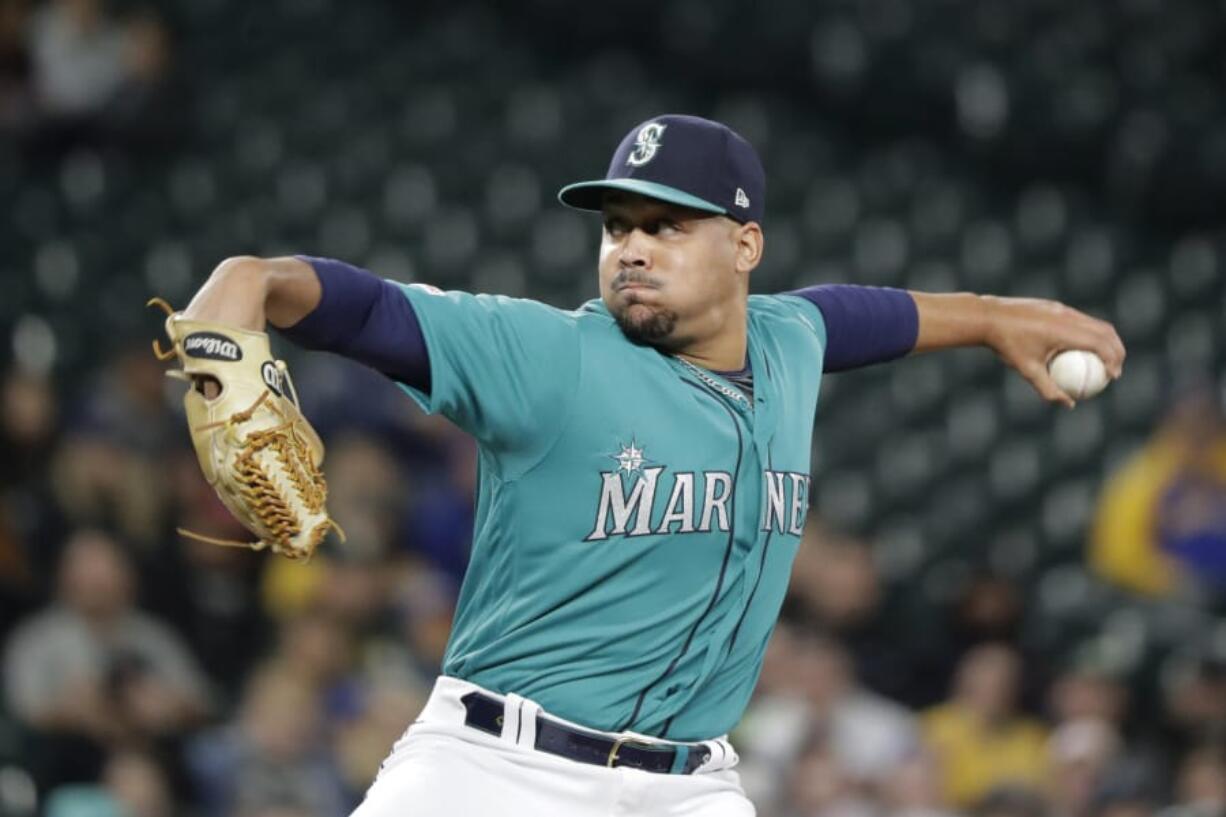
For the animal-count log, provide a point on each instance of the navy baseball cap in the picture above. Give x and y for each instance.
(684, 160)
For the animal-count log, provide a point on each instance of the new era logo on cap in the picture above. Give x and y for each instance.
(685, 160)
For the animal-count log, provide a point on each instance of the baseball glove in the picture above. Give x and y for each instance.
(254, 445)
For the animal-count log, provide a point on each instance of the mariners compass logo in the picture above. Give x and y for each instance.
(646, 144)
(630, 458)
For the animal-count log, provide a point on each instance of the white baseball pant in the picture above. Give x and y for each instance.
(442, 768)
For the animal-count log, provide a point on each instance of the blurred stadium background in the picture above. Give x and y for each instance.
(1001, 608)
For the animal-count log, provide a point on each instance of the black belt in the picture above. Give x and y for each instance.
(485, 713)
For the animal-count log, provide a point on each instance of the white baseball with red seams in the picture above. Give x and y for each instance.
(1078, 373)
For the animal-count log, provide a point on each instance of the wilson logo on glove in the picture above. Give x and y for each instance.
(272, 377)
(211, 346)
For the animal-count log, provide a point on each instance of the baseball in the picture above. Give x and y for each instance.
(1078, 373)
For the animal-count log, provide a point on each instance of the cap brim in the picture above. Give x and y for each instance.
(590, 195)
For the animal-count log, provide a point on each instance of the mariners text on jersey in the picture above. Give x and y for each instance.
(635, 524)
(627, 511)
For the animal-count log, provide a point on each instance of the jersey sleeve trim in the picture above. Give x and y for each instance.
(440, 383)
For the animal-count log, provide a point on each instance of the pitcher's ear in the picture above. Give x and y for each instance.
(750, 244)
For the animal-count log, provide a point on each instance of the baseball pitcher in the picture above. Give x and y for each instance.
(643, 473)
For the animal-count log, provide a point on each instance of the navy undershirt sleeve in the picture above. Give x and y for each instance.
(367, 319)
(864, 325)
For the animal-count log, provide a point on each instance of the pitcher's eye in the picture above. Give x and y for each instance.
(614, 226)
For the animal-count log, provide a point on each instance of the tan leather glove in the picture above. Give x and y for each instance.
(255, 447)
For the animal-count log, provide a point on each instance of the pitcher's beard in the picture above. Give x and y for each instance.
(653, 329)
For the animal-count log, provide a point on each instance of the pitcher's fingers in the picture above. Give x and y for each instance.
(1120, 352)
(1099, 337)
(1036, 373)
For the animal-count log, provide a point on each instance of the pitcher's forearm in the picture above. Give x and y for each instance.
(1026, 333)
(948, 320)
(249, 292)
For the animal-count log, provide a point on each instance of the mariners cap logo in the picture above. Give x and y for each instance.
(646, 144)
(211, 346)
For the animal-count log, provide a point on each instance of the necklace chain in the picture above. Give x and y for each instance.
(727, 391)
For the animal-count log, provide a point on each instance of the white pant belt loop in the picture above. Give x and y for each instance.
(527, 724)
(512, 710)
(723, 756)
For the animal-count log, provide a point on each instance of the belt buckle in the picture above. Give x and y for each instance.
(619, 743)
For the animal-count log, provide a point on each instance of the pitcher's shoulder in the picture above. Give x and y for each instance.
(530, 313)
(787, 309)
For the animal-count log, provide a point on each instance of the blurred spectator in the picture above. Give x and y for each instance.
(288, 588)
(99, 483)
(352, 591)
(363, 743)
(989, 608)
(1090, 685)
(1093, 687)
(93, 74)
(274, 758)
(986, 608)
(1125, 792)
(28, 427)
(29, 518)
(79, 61)
(980, 738)
(818, 786)
(91, 671)
(211, 595)
(319, 650)
(111, 468)
(15, 101)
(17, 591)
(839, 579)
(424, 602)
(138, 784)
(1195, 695)
(1161, 518)
(1080, 753)
(126, 403)
(868, 734)
(27, 424)
(835, 588)
(913, 789)
(1200, 784)
(406, 650)
(1010, 801)
(863, 735)
(777, 723)
(366, 494)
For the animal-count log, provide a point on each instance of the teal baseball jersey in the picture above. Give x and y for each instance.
(636, 517)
